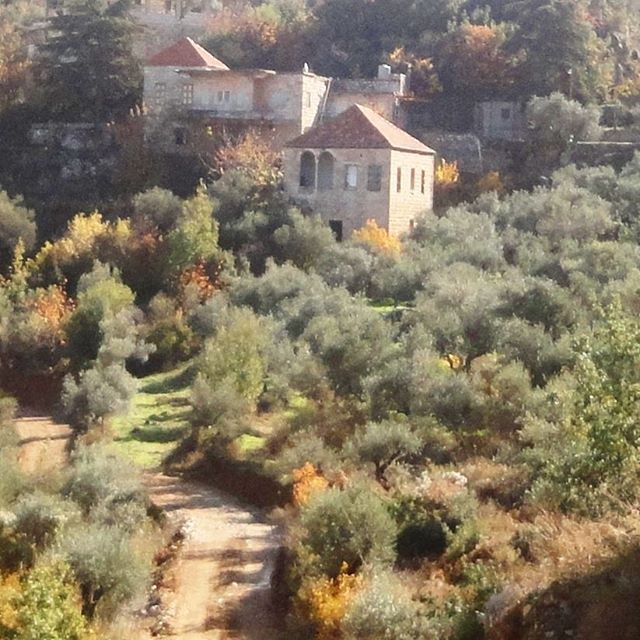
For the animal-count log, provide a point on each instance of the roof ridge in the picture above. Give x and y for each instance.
(360, 127)
(186, 52)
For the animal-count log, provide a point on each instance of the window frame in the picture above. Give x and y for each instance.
(351, 169)
(160, 93)
(374, 178)
(187, 94)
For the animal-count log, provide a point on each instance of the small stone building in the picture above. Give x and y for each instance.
(357, 167)
(500, 120)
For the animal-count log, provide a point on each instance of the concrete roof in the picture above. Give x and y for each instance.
(359, 128)
(186, 53)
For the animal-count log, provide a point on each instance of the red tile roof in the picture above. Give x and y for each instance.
(186, 53)
(359, 128)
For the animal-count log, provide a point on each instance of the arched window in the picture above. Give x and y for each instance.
(308, 170)
(325, 171)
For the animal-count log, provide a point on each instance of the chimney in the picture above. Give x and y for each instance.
(384, 72)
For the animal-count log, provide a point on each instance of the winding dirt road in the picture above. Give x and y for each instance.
(220, 582)
(222, 575)
(43, 443)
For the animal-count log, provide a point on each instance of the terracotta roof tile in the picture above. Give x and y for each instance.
(359, 128)
(186, 53)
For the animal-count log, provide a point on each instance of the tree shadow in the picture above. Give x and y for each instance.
(176, 382)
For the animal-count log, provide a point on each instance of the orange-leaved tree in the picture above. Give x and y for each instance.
(307, 482)
(377, 239)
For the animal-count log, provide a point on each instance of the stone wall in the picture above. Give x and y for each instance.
(392, 210)
(353, 207)
(410, 202)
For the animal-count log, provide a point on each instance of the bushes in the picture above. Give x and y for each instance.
(344, 527)
(587, 450)
(99, 393)
(106, 565)
(101, 478)
(234, 357)
(39, 517)
(157, 208)
(382, 444)
(382, 609)
(16, 225)
(49, 606)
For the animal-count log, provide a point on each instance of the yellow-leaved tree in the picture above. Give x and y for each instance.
(377, 239)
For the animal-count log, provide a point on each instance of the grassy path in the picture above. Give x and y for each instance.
(157, 420)
(220, 583)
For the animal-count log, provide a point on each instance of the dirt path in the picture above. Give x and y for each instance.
(43, 443)
(222, 576)
(221, 579)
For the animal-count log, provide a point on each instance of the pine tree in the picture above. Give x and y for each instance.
(89, 71)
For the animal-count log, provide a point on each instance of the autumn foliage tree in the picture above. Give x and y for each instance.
(473, 62)
(377, 239)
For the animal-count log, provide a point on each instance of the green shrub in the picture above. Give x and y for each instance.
(49, 605)
(234, 357)
(421, 532)
(16, 224)
(39, 517)
(156, 208)
(109, 570)
(381, 610)
(383, 443)
(345, 527)
(100, 478)
(421, 539)
(169, 333)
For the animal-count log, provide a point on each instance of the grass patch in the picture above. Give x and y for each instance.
(248, 443)
(158, 418)
(386, 307)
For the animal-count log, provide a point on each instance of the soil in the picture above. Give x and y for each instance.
(43, 443)
(221, 581)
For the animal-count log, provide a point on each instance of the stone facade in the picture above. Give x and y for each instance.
(349, 185)
(499, 120)
(279, 105)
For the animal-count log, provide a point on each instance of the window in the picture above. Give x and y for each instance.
(506, 113)
(350, 176)
(325, 171)
(181, 136)
(374, 177)
(187, 94)
(307, 99)
(224, 96)
(423, 181)
(336, 228)
(399, 180)
(160, 92)
(413, 179)
(307, 170)
(412, 224)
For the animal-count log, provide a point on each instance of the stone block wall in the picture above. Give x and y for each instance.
(407, 204)
(352, 206)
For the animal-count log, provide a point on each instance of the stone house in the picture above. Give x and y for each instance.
(360, 166)
(186, 87)
(500, 120)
